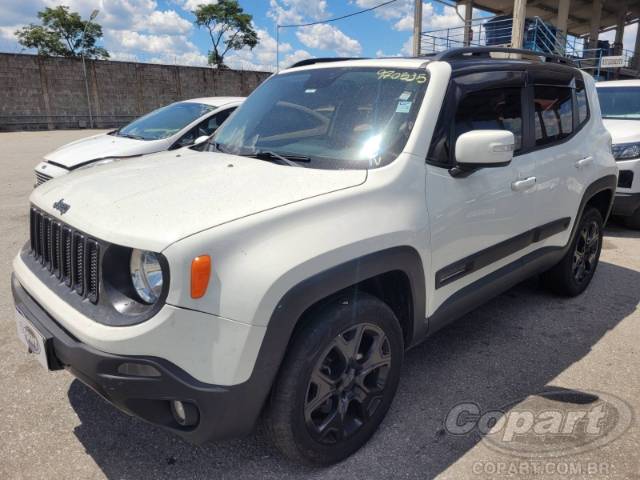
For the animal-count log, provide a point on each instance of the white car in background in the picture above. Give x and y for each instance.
(620, 106)
(176, 125)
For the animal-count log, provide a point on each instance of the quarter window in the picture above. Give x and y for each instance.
(491, 110)
(553, 114)
(582, 104)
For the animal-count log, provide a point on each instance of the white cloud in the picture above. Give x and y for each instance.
(127, 40)
(294, 57)
(263, 56)
(191, 5)
(194, 59)
(123, 56)
(168, 22)
(328, 37)
(286, 12)
(401, 14)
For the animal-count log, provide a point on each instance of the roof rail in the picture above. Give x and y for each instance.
(311, 61)
(486, 51)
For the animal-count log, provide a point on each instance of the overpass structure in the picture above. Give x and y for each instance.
(569, 28)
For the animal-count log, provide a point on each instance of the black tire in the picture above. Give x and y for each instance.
(316, 363)
(573, 274)
(633, 221)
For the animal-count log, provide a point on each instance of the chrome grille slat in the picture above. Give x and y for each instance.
(66, 253)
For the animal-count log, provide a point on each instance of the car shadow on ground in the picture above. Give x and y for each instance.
(617, 229)
(510, 348)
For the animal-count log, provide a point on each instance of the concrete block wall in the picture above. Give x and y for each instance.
(49, 93)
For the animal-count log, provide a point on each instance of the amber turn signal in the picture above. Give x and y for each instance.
(200, 272)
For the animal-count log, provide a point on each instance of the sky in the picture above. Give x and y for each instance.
(162, 31)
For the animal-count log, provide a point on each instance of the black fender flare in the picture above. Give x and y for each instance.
(610, 182)
(302, 296)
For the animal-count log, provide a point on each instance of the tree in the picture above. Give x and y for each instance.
(229, 28)
(63, 34)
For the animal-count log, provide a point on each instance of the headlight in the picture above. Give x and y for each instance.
(146, 275)
(626, 151)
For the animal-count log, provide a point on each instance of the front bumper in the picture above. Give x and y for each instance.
(224, 411)
(626, 204)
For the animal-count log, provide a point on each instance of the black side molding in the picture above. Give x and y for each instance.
(492, 254)
(475, 294)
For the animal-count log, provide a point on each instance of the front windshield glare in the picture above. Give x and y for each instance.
(332, 117)
(165, 121)
(620, 102)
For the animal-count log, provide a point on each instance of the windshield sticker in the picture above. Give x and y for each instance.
(405, 96)
(403, 76)
(310, 90)
(403, 107)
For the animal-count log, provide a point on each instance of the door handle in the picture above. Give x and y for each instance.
(520, 185)
(586, 161)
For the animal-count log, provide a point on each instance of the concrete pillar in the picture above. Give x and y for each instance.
(561, 23)
(596, 14)
(417, 27)
(517, 30)
(636, 51)
(468, 15)
(617, 43)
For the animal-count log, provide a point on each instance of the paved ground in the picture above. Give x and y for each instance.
(527, 340)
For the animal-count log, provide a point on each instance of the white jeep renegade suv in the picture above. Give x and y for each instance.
(620, 101)
(347, 210)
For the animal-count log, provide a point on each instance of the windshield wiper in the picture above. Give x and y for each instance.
(130, 135)
(291, 160)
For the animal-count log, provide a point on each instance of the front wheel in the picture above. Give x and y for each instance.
(573, 274)
(337, 381)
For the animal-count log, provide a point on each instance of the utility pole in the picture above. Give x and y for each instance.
(94, 14)
(417, 27)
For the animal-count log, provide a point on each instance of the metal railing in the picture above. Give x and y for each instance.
(538, 36)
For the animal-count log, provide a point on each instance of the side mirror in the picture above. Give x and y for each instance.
(200, 140)
(483, 148)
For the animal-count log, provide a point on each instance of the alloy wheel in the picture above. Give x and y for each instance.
(347, 383)
(586, 251)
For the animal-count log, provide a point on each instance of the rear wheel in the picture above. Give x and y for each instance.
(337, 381)
(574, 272)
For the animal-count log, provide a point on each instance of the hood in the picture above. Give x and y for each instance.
(623, 131)
(100, 146)
(152, 201)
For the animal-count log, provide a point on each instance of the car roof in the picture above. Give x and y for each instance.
(619, 83)
(215, 101)
(460, 63)
(397, 62)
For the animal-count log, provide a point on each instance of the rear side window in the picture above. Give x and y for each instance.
(582, 104)
(553, 114)
(499, 109)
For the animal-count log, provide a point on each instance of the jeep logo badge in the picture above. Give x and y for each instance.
(32, 340)
(61, 206)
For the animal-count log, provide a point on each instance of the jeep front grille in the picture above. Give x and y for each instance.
(41, 178)
(69, 255)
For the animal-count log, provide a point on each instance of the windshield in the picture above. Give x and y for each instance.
(165, 121)
(620, 102)
(328, 117)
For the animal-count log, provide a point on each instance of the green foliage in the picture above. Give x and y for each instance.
(229, 28)
(61, 35)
